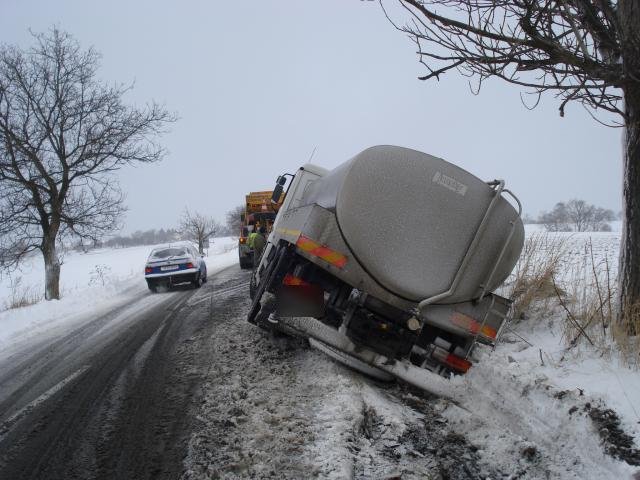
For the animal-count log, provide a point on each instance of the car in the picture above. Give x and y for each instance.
(175, 264)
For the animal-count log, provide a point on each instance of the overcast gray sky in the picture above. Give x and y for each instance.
(259, 84)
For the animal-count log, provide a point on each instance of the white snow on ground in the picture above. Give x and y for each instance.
(85, 292)
(535, 397)
(599, 376)
(522, 421)
(524, 406)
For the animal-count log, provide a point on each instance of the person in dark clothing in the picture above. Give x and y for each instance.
(259, 242)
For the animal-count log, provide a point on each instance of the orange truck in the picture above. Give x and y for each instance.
(259, 212)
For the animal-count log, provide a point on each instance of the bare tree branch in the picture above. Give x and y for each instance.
(570, 47)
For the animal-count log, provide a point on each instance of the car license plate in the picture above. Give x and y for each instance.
(169, 267)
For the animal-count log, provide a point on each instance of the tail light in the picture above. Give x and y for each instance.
(148, 270)
(457, 363)
(291, 280)
(189, 265)
(450, 360)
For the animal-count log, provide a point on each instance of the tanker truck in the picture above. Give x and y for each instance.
(389, 263)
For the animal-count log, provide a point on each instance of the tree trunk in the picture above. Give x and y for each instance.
(51, 269)
(629, 273)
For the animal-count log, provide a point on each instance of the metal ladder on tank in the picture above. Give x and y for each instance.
(498, 187)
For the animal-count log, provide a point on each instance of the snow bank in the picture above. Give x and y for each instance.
(529, 400)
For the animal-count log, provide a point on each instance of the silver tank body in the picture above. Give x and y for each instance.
(409, 219)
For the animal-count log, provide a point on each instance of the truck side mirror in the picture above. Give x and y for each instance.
(277, 191)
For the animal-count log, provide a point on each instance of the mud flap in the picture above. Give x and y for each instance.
(270, 276)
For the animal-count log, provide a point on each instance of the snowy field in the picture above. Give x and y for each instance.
(92, 282)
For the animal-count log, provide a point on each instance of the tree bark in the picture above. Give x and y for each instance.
(629, 273)
(51, 269)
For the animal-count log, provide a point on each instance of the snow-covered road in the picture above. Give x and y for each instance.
(106, 400)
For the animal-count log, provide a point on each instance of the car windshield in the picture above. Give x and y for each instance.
(168, 252)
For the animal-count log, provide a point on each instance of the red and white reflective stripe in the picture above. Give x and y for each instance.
(325, 253)
(472, 325)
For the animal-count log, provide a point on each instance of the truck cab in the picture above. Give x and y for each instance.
(289, 199)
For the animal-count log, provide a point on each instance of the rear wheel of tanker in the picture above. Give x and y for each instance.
(352, 362)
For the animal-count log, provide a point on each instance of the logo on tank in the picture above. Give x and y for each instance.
(450, 183)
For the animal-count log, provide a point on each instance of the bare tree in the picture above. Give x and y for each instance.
(577, 216)
(600, 219)
(585, 51)
(234, 219)
(556, 219)
(198, 227)
(62, 136)
(588, 218)
(580, 214)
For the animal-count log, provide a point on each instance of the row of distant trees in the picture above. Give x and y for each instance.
(575, 216)
(192, 226)
(143, 237)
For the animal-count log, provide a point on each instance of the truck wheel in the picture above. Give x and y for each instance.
(351, 362)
